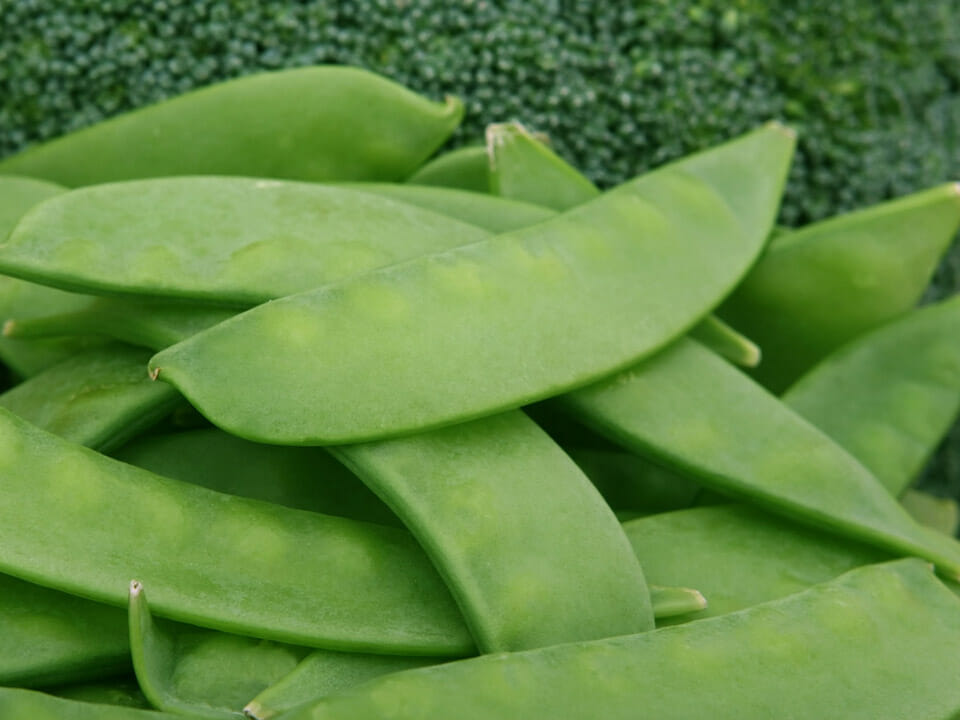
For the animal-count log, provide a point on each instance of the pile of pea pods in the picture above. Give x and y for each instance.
(314, 420)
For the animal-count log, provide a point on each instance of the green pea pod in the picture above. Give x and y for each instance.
(100, 398)
(770, 657)
(739, 556)
(456, 335)
(49, 637)
(122, 690)
(222, 240)
(312, 123)
(673, 601)
(941, 514)
(524, 168)
(820, 286)
(303, 478)
(466, 168)
(496, 214)
(750, 445)
(17, 703)
(177, 682)
(890, 395)
(530, 551)
(26, 300)
(291, 576)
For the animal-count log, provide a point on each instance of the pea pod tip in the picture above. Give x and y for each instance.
(253, 710)
(136, 589)
(780, 127)
(9, 328)
(154, 373)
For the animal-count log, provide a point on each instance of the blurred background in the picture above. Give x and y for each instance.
(872, 86)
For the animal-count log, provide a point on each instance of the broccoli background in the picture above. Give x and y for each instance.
(872, 86)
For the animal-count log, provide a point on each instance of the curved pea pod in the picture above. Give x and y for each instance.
(739, 556)
(49, 637)
(175, 670)
(530, 551)
(473, 331)
(466, 168)
(221, 240)
(759, 661)
(303, 478)
(524, 168)
(824, 284)
(890, 395)
(23, 299)
(100, 398)
(291, 576)
(312, 123)
(122, 690)
(496, 214)
(691, 410)
(17, 703)
(941, 514)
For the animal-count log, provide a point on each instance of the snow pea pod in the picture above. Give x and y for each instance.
(312, 123)
(196, 546)
(17, 703)
(221, 240)
(176, 677)
(890, 395)
(466, 168)
(824, 284)
(122, 690)
(23, 299)
(530, 551)
(750, 445)
(726, 342)
(472, 331)
(876, 616)
(941, 514)
(100, 398)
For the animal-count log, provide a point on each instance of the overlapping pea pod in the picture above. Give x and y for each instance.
(523, 168)
(465, 168)
(839, 637)
(17, 703)
(26, 300)
(312, 123)
(822, 285)
(455, 335)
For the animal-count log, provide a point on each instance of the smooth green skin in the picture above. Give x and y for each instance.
(525, 168)
(123, 690)
(889, 396)
(48, 637)
(16, 703)
(837, 647)
(176, 674)
(739, 556)
(323, 673)
(670, 602)
(941, 514)
(100, 398)
(313, 123)
(457, 335)
(630, 482)
(303, 478)
(751, 446)
(23, 299)
(496, 214)
(526, 544)
(223, 240)
(466, 168)
(821, 286)
(154, 324)
(290, 575)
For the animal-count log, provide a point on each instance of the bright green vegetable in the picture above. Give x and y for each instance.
(531, 553)
(891, 394)
(16, 703)
(750, 445)
(121, 690)
(313, 123)
(726, 342)
(290, 575)
(230, 241)
(941, 514)
(465, 168)
(743, 665)
(821, 286)
(100, 398)
(440, 339)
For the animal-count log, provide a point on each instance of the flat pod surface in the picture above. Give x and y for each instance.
(288, 575)
(456, 335)
(846, 639)
(16, 703)
(233, 241)
(313, 123)
(466, 168)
